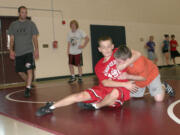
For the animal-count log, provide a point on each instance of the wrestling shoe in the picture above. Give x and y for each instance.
(169, 90)
(80, 79)
(86, 106)
(44, 110)
(72, 79)
(27, 93)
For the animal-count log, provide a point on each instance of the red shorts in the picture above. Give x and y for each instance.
(98, 93)
(76, 60)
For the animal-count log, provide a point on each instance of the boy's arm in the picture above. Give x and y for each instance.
(175, 45)
(135, 77)
(126, 76)
(146, 46)
(85, 42)
(130, 85)
(68, 47)
(162, 45)
(135, 56)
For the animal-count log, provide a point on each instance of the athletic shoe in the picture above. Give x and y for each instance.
(169, 90)
(72, 79)
(27, 93)
(79, 79)
(44, 110)
(87, 106)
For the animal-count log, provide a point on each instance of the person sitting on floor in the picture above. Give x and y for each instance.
(106, 93)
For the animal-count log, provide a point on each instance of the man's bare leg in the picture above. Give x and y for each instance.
(28, 83)
(23, 76)
(29, 78)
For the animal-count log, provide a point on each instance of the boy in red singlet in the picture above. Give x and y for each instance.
(105, 94)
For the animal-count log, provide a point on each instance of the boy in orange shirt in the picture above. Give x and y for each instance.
(146, 69)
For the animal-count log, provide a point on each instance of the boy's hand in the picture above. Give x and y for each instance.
(12, 55)
(131, 86)
(81, 47)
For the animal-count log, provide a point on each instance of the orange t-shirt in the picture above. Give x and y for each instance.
(145, 68)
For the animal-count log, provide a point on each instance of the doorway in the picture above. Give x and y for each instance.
(117, 33)
(7, 67)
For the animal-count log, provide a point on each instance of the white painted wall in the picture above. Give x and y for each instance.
(141, 18)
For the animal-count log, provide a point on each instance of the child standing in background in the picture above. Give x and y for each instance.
(74, 49)
(150, 46)
(165, 48)
(174, 52)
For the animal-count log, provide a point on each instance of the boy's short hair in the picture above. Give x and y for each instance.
(172, 36)
(104, 38)
(151, 36)
(74, 22)
(123, 52)
(21, 7)
(166, 35)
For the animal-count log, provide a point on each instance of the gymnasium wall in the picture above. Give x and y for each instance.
(141, 18)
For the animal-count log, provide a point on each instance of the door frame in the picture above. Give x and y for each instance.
(3, 85)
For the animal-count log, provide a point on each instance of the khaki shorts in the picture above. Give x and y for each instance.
(155, 88)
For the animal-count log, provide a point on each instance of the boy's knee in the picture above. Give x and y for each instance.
(114, 94)
(159, 97)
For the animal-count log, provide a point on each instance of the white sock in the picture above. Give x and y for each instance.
(52, 107)
(29, 87)
(95, 106)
